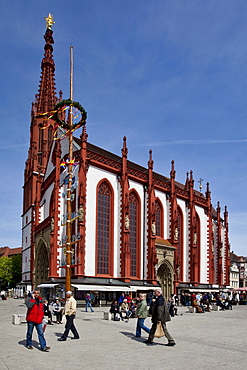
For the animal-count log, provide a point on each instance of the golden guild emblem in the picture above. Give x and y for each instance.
(49, 21)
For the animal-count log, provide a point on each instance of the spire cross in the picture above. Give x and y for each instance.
(200, 186)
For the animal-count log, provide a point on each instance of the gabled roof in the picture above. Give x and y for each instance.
(8, 252)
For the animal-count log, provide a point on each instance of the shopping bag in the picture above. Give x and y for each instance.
(44, 323)
(159, 331)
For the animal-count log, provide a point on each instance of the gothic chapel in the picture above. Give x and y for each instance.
(134, 228)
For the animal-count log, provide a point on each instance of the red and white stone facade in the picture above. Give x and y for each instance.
(131, 224)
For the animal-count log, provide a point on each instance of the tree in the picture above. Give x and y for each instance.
(10, 270)
(5, 270)
(16, 268)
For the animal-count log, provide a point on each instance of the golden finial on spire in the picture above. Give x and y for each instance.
(49, 21)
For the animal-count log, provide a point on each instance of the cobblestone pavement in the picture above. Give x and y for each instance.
(204, 341)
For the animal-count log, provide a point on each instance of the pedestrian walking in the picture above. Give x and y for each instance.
(161, 315)
(70, 312)
(35, 314)
(142, 313)
(88, 302)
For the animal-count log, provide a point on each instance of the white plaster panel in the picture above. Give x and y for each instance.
(26, 234)
(94, 176)
(203, 239)
(140, 190)
(184, 210)
(50, 165)
(162, 198)
(45, 204)
(26, 260)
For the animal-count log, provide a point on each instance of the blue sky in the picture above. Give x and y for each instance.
(171, 75)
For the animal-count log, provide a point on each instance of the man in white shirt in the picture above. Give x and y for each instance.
(70, 311)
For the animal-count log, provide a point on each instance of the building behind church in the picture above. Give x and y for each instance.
(133, 228)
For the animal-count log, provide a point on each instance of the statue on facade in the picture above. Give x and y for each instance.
(176, 234)
(195, 238)
(52, 224)
(153, 228)
(81, 213)
(127, 221)
(221, 251)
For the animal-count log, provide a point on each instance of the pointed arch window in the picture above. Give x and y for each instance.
(197, 244)
(159, 218)
(104, 229)
(134, 237)
(179, 261)
(41, 137)
(50, 136)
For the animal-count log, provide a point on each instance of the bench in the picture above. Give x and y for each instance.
(107, 315)
(192, 309)
(215, 307)
(18, 319)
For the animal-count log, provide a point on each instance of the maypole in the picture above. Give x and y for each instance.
(70, 173)
(67, 127)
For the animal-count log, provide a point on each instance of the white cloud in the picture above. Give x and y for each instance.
(194, 142)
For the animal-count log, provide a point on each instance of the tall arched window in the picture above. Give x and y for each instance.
(134, 237)
(159, 222)
(104, 229)
(198, 244)
(40, 147)
(180, 243)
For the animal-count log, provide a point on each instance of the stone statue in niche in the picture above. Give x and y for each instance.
(195, 238)
(52, 224)
(221, 251)
(81, 213)
(176, 234)
(153, 228)
(127, 222)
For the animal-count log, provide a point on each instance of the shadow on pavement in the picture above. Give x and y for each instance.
(35, 344)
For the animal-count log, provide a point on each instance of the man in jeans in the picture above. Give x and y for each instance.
(88, 302)
(35, 314)
(142, 314)
(70, 311)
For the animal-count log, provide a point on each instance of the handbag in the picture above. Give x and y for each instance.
(159, 331)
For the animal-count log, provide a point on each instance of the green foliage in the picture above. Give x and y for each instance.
(16, 268)
(5, 269)
(10, 270)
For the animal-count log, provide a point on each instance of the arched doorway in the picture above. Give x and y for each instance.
(41, 264)
(165, 277)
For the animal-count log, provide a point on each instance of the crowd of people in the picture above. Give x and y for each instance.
(40, 312)
(204, 302)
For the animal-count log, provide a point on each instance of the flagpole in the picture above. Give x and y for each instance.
(69, 192)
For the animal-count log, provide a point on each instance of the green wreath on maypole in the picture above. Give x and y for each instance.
(61, 106)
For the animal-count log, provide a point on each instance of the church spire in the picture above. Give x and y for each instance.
(46, 97)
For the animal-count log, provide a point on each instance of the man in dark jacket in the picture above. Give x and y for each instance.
(35, 314)
(161, 315)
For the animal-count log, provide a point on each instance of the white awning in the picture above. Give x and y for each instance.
(117, 288)
(47, 285)
(95, 288)
(201, 290)
(144, 287)
(103, 288)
